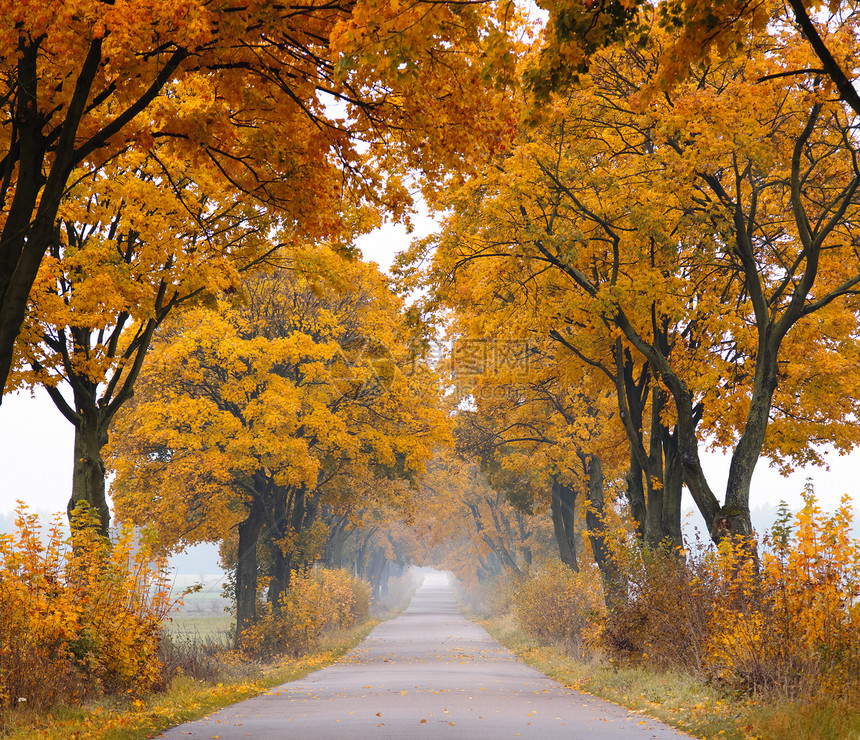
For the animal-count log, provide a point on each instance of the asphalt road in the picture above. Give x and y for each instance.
(429, 673)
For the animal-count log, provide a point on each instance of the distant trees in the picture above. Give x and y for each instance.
(258, 414)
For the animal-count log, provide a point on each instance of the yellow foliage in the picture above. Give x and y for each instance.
(78, 616)
(792, 624)
(318, 600)
(556, 602)
(785, 623)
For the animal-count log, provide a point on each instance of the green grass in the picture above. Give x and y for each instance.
(681, 700)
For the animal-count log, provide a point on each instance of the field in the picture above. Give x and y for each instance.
(202, 616)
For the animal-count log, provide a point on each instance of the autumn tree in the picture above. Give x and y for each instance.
(705, 239)
(700, 31)
(127, 252)
(252, 413)
(287, 104)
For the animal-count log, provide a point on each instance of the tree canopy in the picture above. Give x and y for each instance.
(293, 105)
(686, 247)
(259, 412)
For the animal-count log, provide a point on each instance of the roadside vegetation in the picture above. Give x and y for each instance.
(716, 643)
(86, 648)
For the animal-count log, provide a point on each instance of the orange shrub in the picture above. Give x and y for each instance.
(317, 601)
(787, 623)
(792, 624)
(556, 603)
(78, 617)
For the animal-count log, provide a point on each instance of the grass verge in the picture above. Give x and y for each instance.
(185, 700)
(682, 701)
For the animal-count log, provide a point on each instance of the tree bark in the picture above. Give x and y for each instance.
(636, 493)
(384, 579)
(375, 570)
(246, 569)
(88, 472)
(338, 534)
(614, 591)
(294, 512)
(673, 482)
(654, 534)
(361, 553)
(563, 509)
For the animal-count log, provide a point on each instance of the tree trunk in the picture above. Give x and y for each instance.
(336, 540)
(375, 569)
(384, 578)
(734, 516)
(563, 509)
(88, 474)
(525, 548)
(613, 585)
(672, 489)
(279, 546)
(654, 534)
(636, 493)
(21, 250)
(246, 569)
(337, 554)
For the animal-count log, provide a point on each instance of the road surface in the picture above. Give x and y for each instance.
(429, 673)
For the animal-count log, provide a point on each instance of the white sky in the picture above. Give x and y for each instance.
(36, 441)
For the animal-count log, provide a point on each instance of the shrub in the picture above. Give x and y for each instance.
(78, 616)
(790, 624)
(201, 660)
(786, 623)
(360, 600)
(497, 594)
(556, 603)
(317, 601)
(665, 619)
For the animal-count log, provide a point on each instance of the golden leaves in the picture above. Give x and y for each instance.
(317, 601)
(80, 618)
(276, 389)
(636, 226)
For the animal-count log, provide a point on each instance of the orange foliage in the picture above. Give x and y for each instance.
(78, 617)
(317, 601)
(556, 602)
(785, 624)
(298, 105)
(793, 625)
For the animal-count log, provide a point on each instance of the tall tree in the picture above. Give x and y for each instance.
(543, 430)
(709, 236)
(251, 414)
(127, 252)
